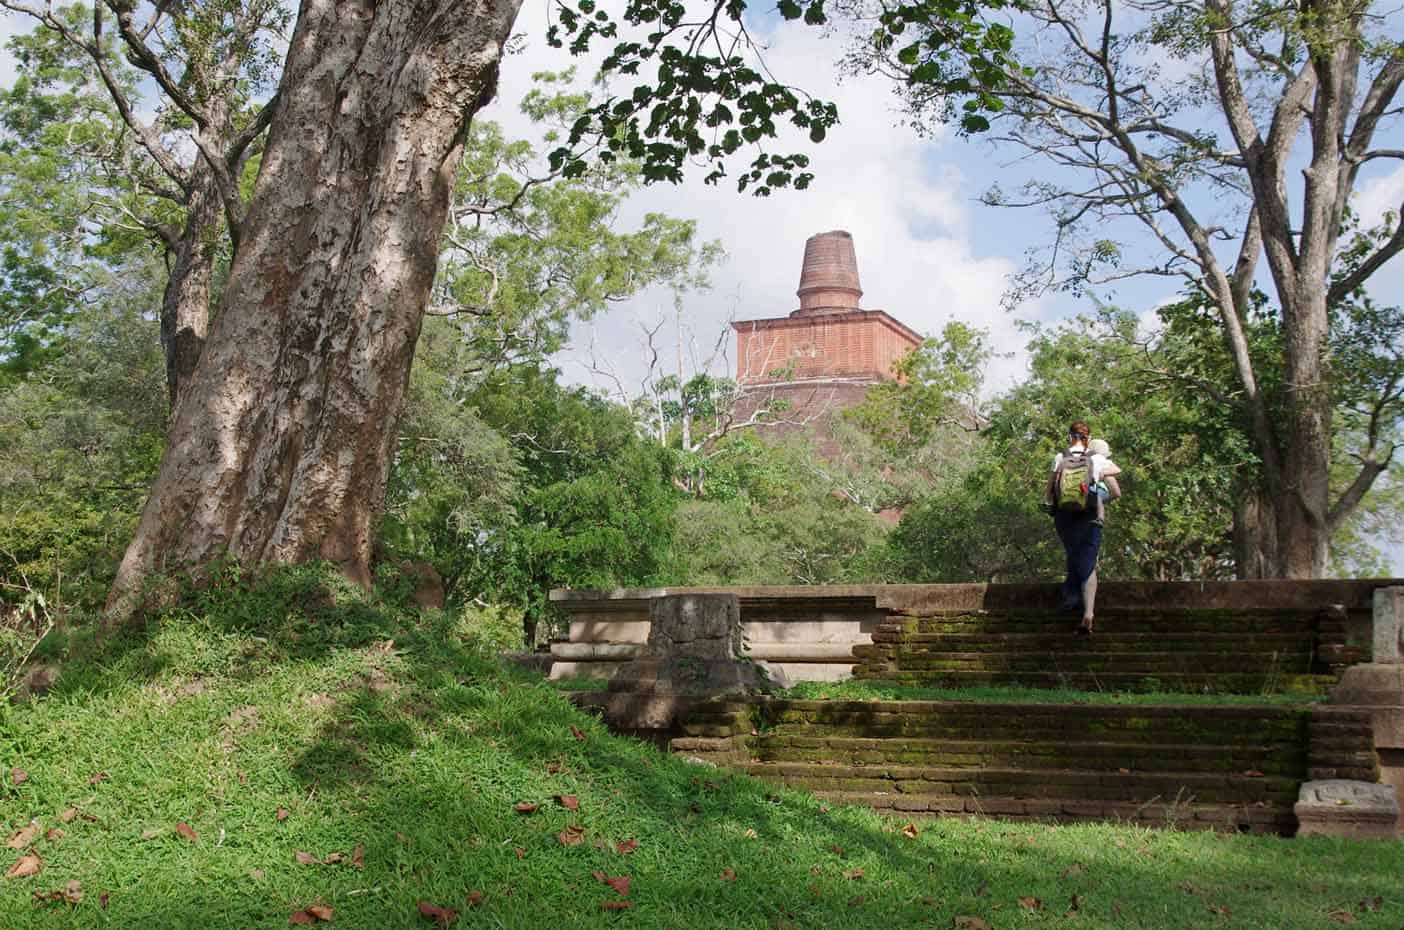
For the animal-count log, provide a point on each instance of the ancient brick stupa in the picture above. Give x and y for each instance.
(825, 355)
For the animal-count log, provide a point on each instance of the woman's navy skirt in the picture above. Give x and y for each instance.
(1081, 536)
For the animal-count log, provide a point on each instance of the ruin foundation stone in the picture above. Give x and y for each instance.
(1354, 809)
(1379, 685)
(693, 652)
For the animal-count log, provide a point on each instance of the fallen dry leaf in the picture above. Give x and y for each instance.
(18, 776)
(98, 778)
(319, 911)
(856, 900)
(910, 831)
(54, 835)
(1342, 916)
(853, 873)
(23, 837)
(751, 834)
(358, 857)
(184, 830)
(475, 898)
(619, 883)
(1031, 903)
(616, 905)
(304, 858)
(836, 849)
(257, 874)
(67, 814)
(443, 916)
(576, 732)
(102, 899)
(334, 859)
(1253, 773)
(150, 834)
(521, 853)
(569, 801)
(25, 866)
(70, 893)
(728, 875)
(1076, 868)
(283, 813)
(967, 922)
(525, 807)
(1074, 906)
(572, 835)
(627, 846)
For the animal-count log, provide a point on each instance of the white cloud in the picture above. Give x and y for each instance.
(874, 178)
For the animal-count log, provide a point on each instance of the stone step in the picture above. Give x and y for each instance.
(1057, 623)
(1109, 637)
(927, 782)
(1272, 759)
(1187, 614)
(1222, 818)
(1183, 682)
(1108, 661)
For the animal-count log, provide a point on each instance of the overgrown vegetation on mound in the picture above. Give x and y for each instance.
(261, 753)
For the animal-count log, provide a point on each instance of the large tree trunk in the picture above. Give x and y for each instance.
(185, 305)
(280, 448)
(1303, 531)
(1254, 535)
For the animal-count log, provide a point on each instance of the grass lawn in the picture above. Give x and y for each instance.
(308, 726)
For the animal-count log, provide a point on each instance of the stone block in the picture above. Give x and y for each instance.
(1354, 809)
(698, 626)
(1388, 625)
(608, 631)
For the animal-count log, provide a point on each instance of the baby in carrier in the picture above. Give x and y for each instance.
(1102, 467)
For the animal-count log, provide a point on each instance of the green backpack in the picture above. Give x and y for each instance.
(1072, 486)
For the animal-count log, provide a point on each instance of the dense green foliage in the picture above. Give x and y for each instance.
(83, 433)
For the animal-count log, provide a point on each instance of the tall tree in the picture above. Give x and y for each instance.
(1188, 118)
(281, 447)
(179, 169)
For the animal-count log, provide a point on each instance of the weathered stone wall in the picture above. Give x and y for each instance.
(1225, 768)
(1197, 650)
(809, 632)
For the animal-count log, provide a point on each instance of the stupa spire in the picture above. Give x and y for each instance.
(829, 277)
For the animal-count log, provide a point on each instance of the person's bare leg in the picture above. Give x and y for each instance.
(1089, 596)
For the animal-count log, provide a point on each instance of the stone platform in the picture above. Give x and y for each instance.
(809, 633)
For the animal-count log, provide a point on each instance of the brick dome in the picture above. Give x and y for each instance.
(829, 277)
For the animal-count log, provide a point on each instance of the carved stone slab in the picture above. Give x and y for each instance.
(1356, 809)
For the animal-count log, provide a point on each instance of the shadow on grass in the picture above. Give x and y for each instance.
(421, 751)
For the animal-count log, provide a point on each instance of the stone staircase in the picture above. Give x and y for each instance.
(1183, 650)
(1222, 768)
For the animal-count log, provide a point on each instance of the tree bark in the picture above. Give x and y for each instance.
(281, 445)
(185, 304)
(1254, 535)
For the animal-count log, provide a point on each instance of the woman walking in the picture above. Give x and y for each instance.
(1073, 500)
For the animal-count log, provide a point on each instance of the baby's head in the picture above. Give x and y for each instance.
(1099, 447)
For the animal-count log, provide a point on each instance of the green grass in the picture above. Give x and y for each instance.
(855, 690)
(418, 752)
